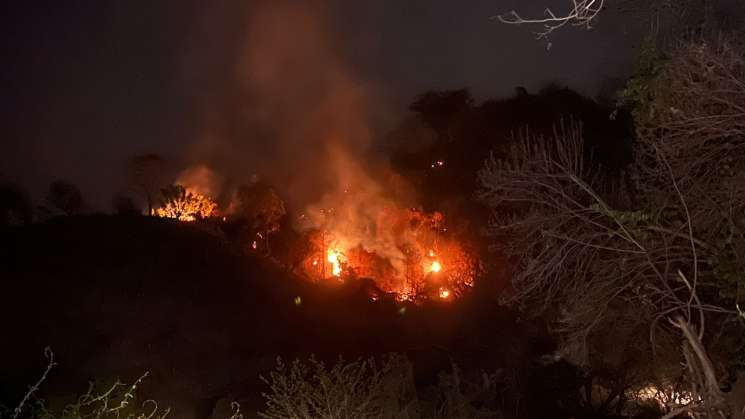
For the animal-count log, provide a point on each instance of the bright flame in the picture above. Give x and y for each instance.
(335, 257)
(184, 205)
(444, 293)
(254, 245)
(402, 250)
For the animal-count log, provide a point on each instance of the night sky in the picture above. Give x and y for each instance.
(87, 84)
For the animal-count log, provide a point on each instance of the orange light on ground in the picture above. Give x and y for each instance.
(444, 293)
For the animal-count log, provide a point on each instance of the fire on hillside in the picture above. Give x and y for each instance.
(358, 231)
(425, 263)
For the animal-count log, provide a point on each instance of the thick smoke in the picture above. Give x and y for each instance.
(298, 116)
(291, 99)
(202, 180)
(363, 212)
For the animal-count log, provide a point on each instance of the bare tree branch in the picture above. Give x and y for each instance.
(581, 13)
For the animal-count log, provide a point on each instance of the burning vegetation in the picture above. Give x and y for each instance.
(360, 232)
(423, 262)
(183, 204)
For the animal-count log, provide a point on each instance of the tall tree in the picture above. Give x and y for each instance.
(146, 176)
(262, 208)
(65, 197)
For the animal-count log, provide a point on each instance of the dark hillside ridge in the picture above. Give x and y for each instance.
(115, 296)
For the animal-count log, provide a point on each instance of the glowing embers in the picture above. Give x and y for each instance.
(404, 253)
(335, 257)
(434, 266)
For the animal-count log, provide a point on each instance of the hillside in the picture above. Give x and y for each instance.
(117, 296)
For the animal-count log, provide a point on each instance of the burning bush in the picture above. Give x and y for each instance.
(184, 205)
(427, 262)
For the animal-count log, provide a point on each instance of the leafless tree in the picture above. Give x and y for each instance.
(660, 15)
(579, 258)
(581, 13)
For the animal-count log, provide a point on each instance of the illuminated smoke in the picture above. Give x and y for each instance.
(202, 180)
(290, 97)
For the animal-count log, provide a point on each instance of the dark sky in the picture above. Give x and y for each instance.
(86, 84)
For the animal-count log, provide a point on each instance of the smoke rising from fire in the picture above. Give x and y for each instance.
(299, 118)
(363, 212)
(292, 98)
(202, 180)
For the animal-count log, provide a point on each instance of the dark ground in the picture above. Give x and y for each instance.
(117, 296)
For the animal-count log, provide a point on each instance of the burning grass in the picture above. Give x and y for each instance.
(358, 230)
(431, 264)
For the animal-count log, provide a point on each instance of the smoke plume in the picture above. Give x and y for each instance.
(291, 100)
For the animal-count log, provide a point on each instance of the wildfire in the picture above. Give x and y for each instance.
(184, 205)
(420, 262)
(435, 266)
(366, 229)
(335, 258)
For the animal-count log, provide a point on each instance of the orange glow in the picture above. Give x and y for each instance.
(335, 258)
(185, 205)
(423, 262)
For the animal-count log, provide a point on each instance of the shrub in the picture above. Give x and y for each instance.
(366, 388)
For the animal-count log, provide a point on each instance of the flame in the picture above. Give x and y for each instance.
(444, 293)
(402, 250)
(184, 205)
(335, 257)
(254, 245)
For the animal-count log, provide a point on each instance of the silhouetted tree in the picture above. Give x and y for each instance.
(441, 108)
(262, 208)
(146, 172)
(15, 206)
(125, 205)
(65, 197)
(593, 266)
(179, 203)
